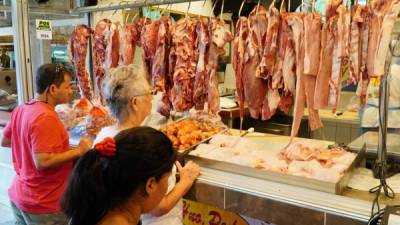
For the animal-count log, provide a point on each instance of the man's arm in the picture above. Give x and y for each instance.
(5, 142)
(52, 160)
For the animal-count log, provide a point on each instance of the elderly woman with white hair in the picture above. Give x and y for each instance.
(129, 97)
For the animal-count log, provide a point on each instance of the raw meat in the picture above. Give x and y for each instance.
(385, 36)
(295, 23)
(183, 60)
(312, 43)
(112, 50)
(255, 89)
(220, 35)
(239, 48)
(325, 68)
(129, 35)
(160, 79)
(202, 46)
(355, 44)
(99, 53)
(77, 46)
(270, 47)
(148, 39)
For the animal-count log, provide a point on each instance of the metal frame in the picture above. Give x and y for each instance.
(127, 4)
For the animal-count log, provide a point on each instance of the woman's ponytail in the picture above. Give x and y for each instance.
(85, 200)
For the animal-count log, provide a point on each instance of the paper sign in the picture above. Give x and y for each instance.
(43, 29)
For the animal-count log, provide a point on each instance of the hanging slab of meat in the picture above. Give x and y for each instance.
(364, 79)
(312, 43)
(200, 82)
(287, 53)
(343, 27)
(277, 76)
(312, 49)
(129, 35)
(99, 53)
(78, 44)
(355, 45)
(112, 50)
(385, 35)
(239, 48)
(326, 62)
(219, 37)
(183, 58)
(255, 89)
(259, 25)
(313, 114)
(271, 44)
(295, 23)
(377, 10)
(160, 79)
(148, 39)
(340, 56)
(140, 24)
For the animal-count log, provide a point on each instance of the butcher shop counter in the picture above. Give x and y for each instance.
(279, 203)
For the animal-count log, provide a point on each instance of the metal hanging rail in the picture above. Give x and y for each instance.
(126, 4)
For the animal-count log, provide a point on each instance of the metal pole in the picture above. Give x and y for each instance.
(130, 4)
(383, 119)
(20, 23)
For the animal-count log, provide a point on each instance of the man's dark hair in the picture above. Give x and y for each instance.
(50, 73)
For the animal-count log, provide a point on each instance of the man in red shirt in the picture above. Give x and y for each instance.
(42, 156)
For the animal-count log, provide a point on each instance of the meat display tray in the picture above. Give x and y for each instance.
(330, 187)
(183, 152)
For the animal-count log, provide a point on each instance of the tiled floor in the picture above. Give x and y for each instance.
(6, 217)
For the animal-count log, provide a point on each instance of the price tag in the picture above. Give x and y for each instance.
(43, 29)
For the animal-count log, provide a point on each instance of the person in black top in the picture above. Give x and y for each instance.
(120, 179)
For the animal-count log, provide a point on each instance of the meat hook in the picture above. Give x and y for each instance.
(148, 11)
(204, 3)
(272, 4)
(258, 6)
(212, 10)
(163, 11)
(187, 11)
(241, 7)
(115, 11)
(313, 6)
(302, 6)
(137, 13)
(280, 8)
(127, 18)
(222, 10)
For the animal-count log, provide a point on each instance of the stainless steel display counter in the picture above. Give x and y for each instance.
(281, 204)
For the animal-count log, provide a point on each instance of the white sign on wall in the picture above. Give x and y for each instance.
(43, 29)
